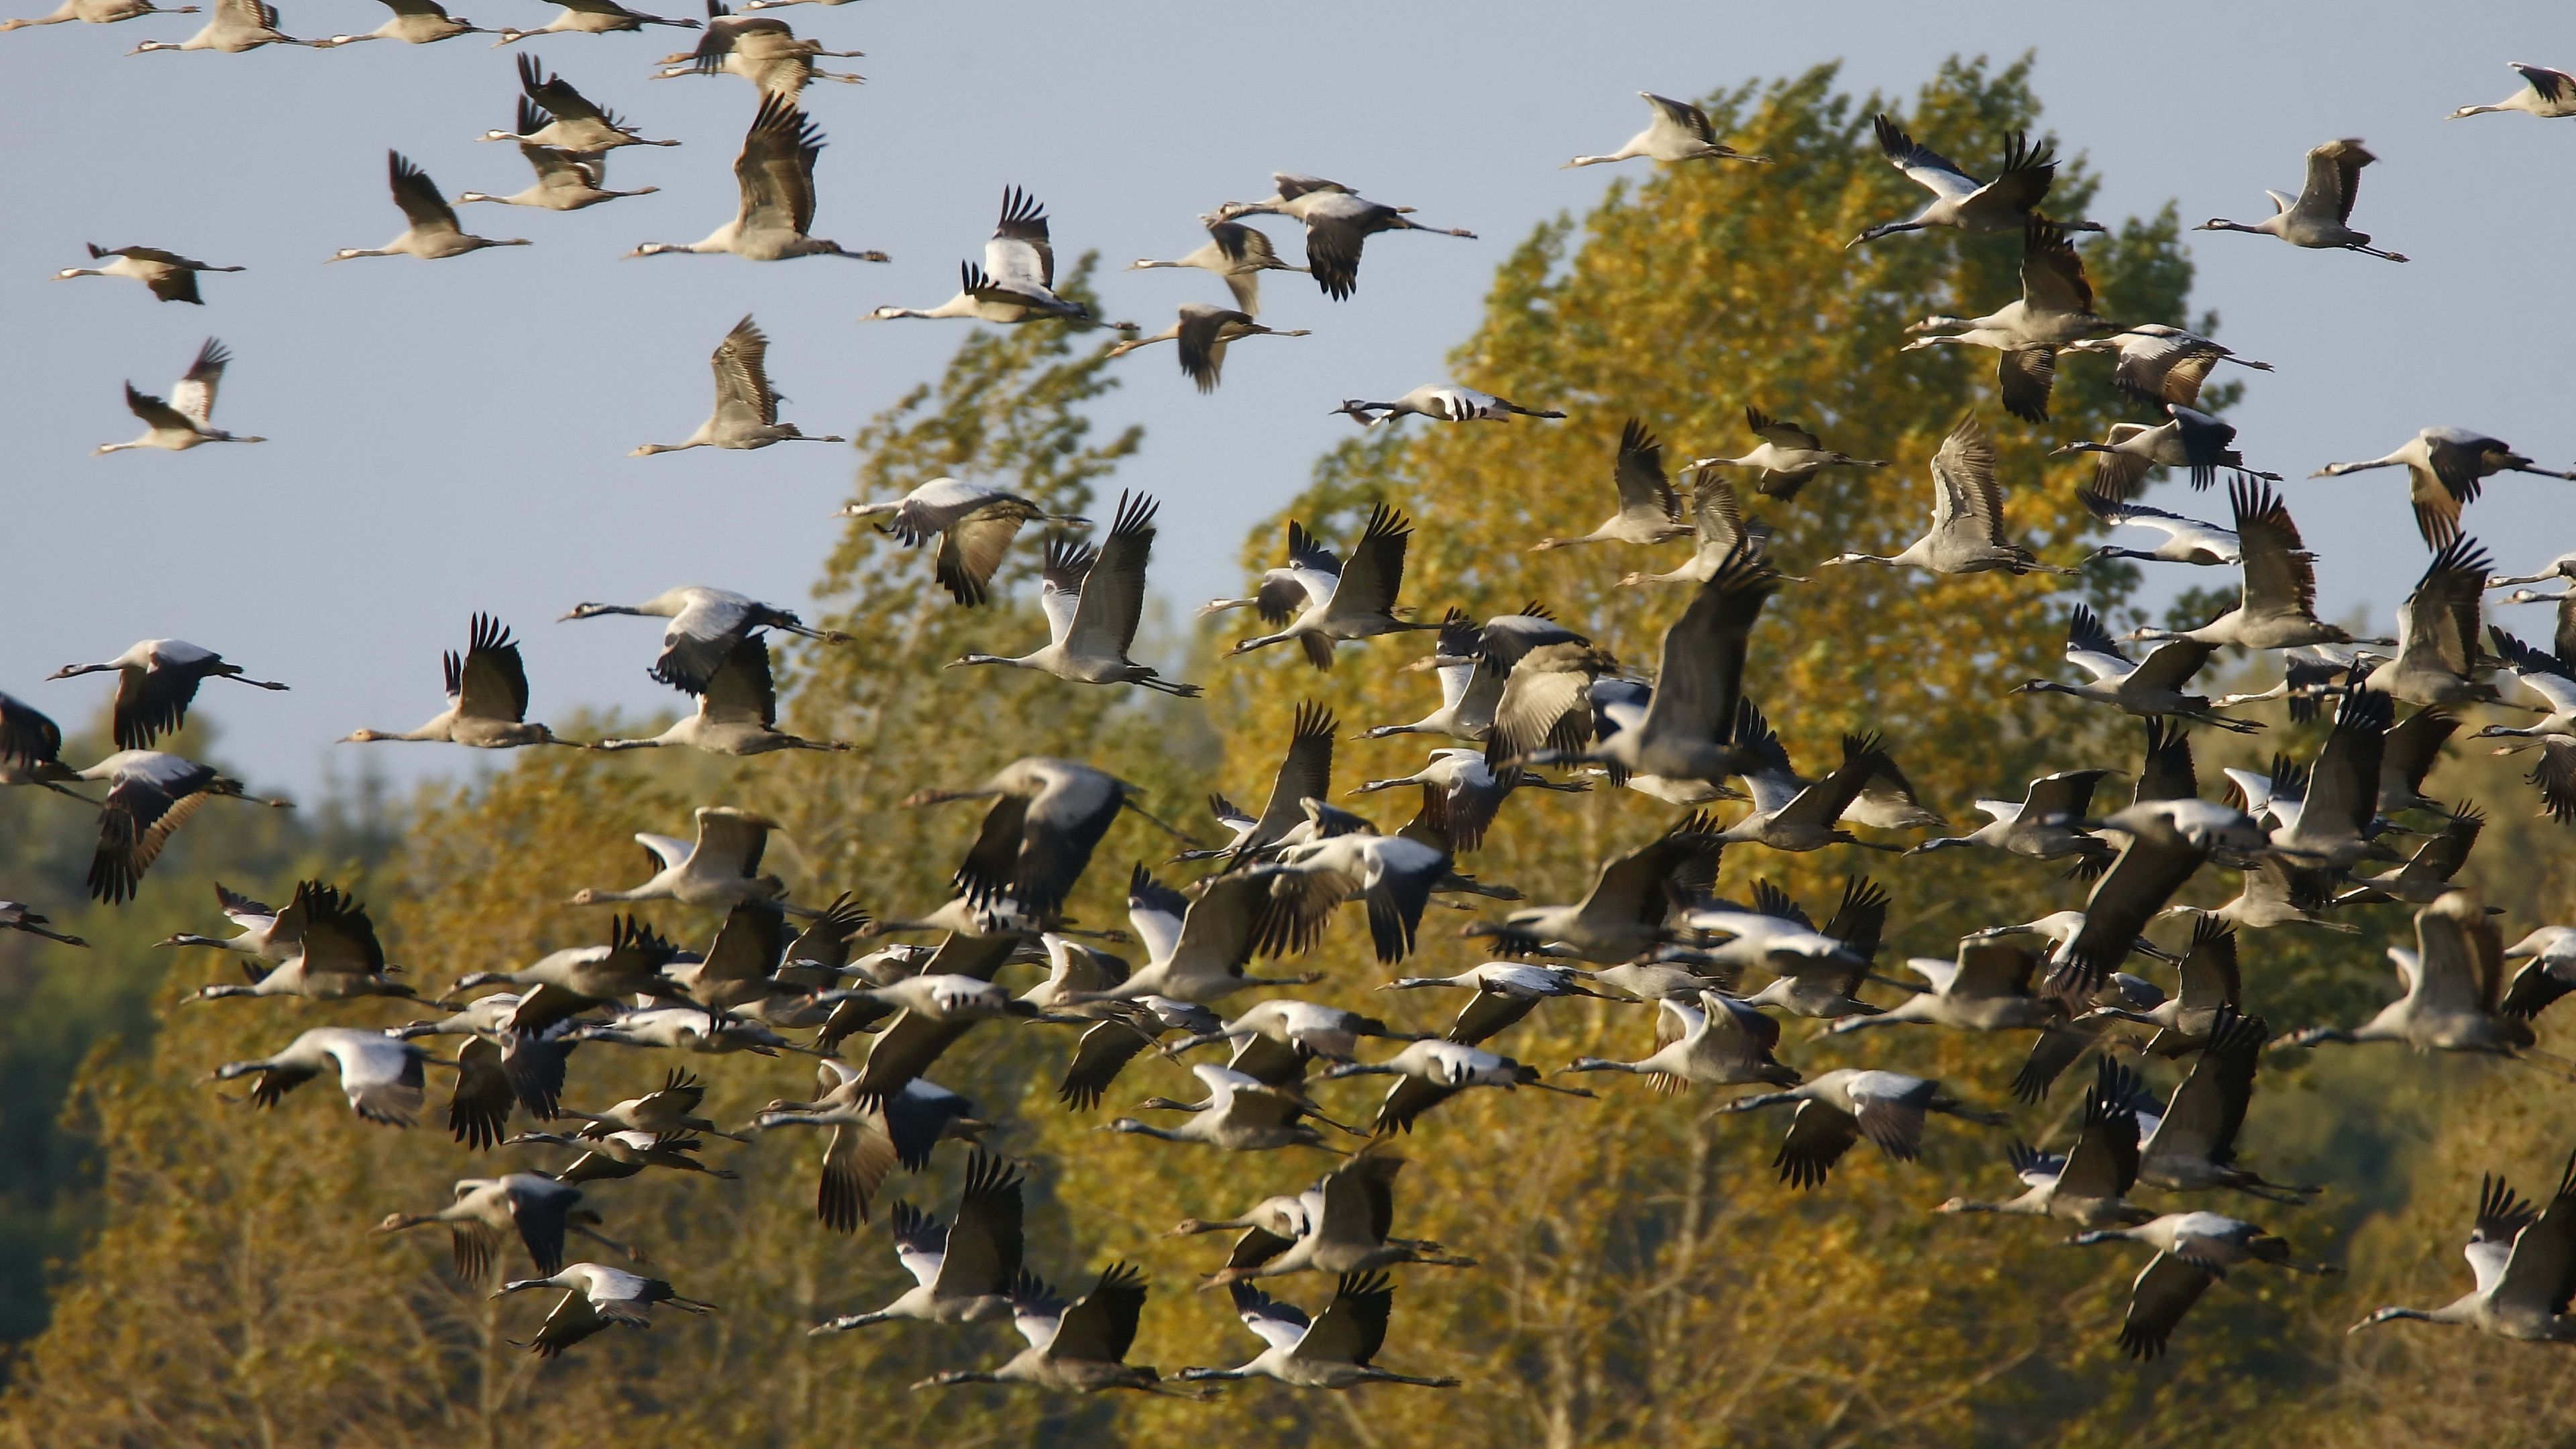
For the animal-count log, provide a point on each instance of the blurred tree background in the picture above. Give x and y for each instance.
(1644, 1279)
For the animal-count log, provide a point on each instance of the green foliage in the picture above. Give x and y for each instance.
(59, 1005)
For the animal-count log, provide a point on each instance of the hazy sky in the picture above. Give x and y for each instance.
(452, 436)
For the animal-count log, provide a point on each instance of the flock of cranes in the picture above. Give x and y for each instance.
(1520, 695)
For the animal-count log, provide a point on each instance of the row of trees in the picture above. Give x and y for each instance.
(1644, 1280)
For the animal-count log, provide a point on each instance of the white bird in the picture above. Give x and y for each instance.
(487, 698)
(1016, 283)
(2047, 823)
(746, 412)
(172, 277)
(1503, 993)
(150, 795)
(258, 925)
(1429, 1073)
(95, 12)
(762, 51)
(2054, 309)
(415, 22)
(1338, 221)
(775, 177)
(434, 232)
(2188, 439)
(565, 182)
(1471, 791)
(962, 1271)
(591, 17)
(1787, 457)
(1469, 685)
(2548, 94)
(737, 713)
(156, 681)
(1359, 600)
(1303, 1029)
(1719, 1042)
(236, 26)
(1631, 908)
(1039, 834)
(489, 1211)
(1203, 333)
(2445, 468)
(381, 1076)
(2187, 540)
(1967, 534)
(1196, 948)
(1239, 1114)
(1236, 253)
(577, 124)
(2190, 1143)
(2524, 1260)
(1094, 599)
(1679, 132)
(2149, 686)
(2317, 217)
(336, 954)
(187, 418)
(2162, 364)
(1985, 987)
(2193, 1250)
(720, 867)
(871, 1134)
(2543, 674)
(1442, 403)
(1336, 1349)
(973, 522)
(2440, 648)
(1838, 1109)
(597, 1297)
(2007, 203)
(2330, 825)
(2088, 1184)
(1649, 510)
(1077, 1347)
(706, 625)
(2454, 984)
(2548, 972)
(2276, 605)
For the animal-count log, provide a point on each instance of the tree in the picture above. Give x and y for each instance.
(58, 1005)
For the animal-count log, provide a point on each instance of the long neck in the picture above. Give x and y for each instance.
(1148, 1129)
(1604, 1064)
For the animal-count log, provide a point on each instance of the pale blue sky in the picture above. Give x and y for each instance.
(452, 436)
